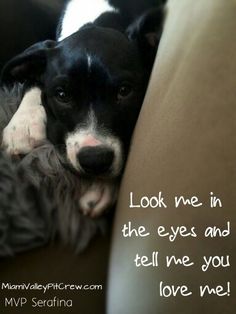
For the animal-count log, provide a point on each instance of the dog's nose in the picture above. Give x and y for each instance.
(95, 159)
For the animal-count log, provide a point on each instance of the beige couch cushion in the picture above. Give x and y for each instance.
(184, 144)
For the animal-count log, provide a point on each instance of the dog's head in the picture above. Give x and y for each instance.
(93, 84)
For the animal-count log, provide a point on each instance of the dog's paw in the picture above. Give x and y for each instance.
(25, 131)
(99, 197)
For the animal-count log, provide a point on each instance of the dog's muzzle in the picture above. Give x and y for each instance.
(93, 154)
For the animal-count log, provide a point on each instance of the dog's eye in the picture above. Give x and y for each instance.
(62, 95)
(124, 91)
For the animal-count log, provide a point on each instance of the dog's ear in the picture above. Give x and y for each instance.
(27, 65)
(147, 30)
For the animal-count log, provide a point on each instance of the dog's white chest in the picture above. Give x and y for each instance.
(81, 12)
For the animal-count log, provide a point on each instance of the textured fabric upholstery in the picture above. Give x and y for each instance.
(184, 144)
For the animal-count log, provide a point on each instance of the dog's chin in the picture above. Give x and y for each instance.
(99, 191)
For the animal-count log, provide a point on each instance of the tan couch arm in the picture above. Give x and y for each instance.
(184, 144)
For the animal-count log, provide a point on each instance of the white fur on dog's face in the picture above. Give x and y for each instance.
(88, 135)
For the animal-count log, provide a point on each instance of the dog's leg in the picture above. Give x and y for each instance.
(27, 128)
(98, 197)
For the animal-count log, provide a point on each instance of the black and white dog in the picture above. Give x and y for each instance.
(85, 90)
